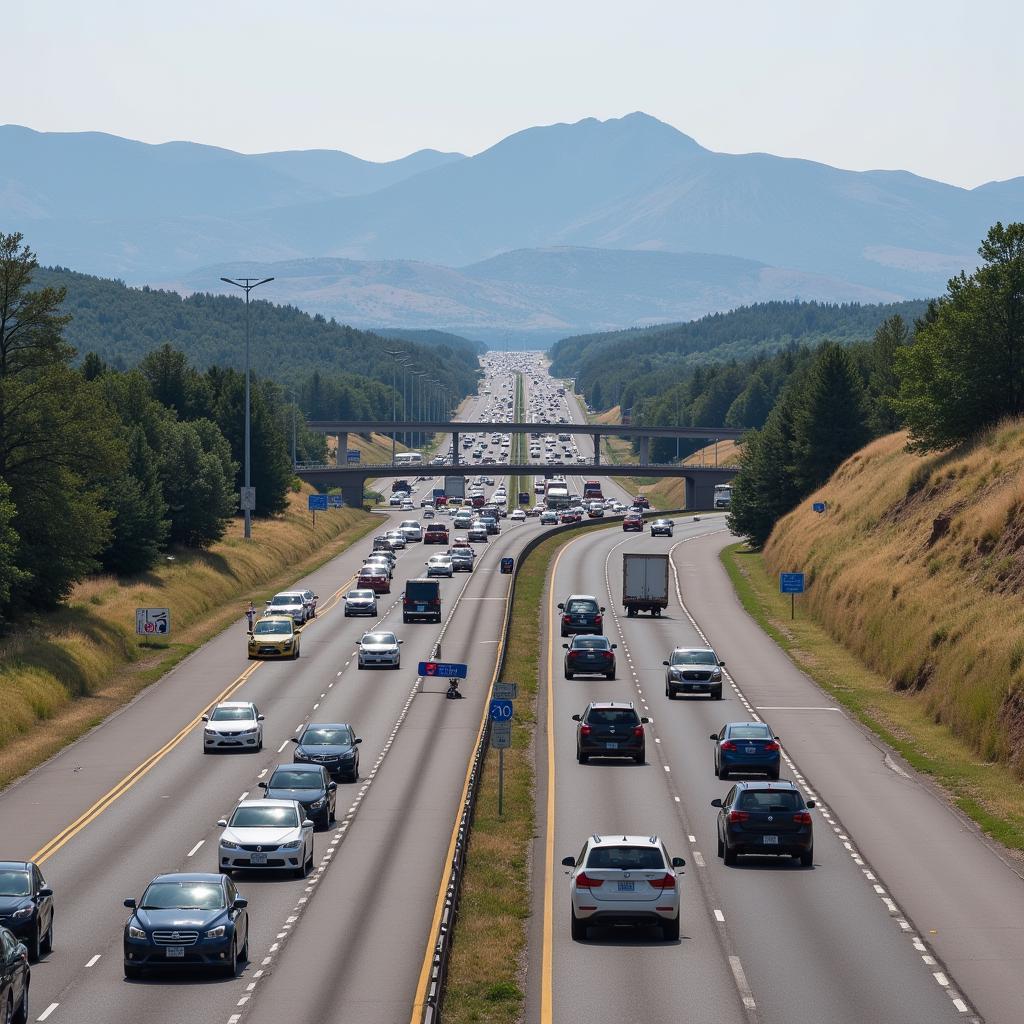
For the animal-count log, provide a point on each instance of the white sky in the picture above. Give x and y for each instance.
(932, 86)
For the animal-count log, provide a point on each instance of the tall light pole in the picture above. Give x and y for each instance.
(295, 406)
(418, 375)
(394, 394)
(407, 369)
(248, 502)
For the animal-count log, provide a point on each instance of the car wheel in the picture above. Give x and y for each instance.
(21, 1012)
(570, 675)
(577, 928)
(717, 694)
(303, 869)
(773, 775)
(231, 967)
(721, 847)
(641, 757)
(360, 666)
(670, 930)
(132, 972)
(259, 745)
(581, 757)
(48, 938)
(346, 613)
(331, 813)
(807, 858)
(729, 856)
(669, 692)
(723, 772)
(609, 675)
(295, 656)
(206, 749)
(244, 952)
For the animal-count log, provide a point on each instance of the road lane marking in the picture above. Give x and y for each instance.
(46, 1013)
(283, 745)
(92, 960)
(741, 983)
(719, 916)
(195, 849)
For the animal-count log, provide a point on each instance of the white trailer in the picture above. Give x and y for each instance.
(644, 583)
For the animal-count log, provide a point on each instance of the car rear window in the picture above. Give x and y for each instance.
(749, 732)
(612, 716)
(626, 858)
(581, 606)
(596, 642)
(769, 800)
(421, 590)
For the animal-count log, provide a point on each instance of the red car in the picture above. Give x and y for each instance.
(436, 533)
(641, 502)
(374, 579)
(634, 522)
(568, 516)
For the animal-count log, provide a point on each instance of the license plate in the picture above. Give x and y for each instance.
(626, 886)
(257, 858)
(770, 840)
(614, 745)
(175, 950)
(750, 750)
(694, 686)
(421, 607)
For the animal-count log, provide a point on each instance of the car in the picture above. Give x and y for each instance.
(375, 578)
(589, 654)
(610, 729)
(641, 502)
(397, 538)
(407, 506)
(289, 603)
(435, 533)
(746, 747)
(266, 835)
(309, 784)
(439, 565)
(309, 599)
(517, 515)
(428, 513)
(396, 500)
(595, 510)
(412, 530)
(662, 528)
(380, 648)
(633, 522)
(233, 725)
(463, 520)
(491, 524)
(187, 919)
(274, 636)
(548, 518)
(421, 600)
(15, 977)
(383, 544)
(581, 614)
(477, 533)
(380, 561)
(362, 601)
(536, 511)
(767, 818)
(621, 879)
(462, 559)
(26, 906)
(570, 515)
(693, 670)
(333, 744)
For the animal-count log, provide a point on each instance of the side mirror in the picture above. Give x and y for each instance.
(250, 632)
(331, 787)
(678, 862)
(561, 607)
(240, 903)
(566, 646)
(665, 663)
(644, 721)
(401, 641)
(569, 862)
(602, 607)
(130, 904)
(222, 822)
(716, 802)
(44, 892)
(206, 718)
(721, 664)
(714, 736)
(260, 718)
(358, 739)
(577, 718)
(307, 823)
(291, 739)
(811, 803)
(262, 785)
(316, 597)
(615, 647)
(267, 603)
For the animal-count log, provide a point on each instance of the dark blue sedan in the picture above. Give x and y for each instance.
(765, 818)
(746, 747)
(189, 919)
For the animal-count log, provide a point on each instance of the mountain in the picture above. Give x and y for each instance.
(537, 295)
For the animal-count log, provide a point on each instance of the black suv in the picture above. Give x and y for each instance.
(581, 614)
(421, 601)
(610, 729)
(765, 818)
(309, 784)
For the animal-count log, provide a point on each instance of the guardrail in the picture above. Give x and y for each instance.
(434, 1005)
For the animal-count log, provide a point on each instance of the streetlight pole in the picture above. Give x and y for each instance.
(418, 375)
(407, 370)
(395, 353)
(247, 284)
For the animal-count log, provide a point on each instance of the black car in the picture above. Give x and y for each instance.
(581, 614)
(591, 654)
(15, 975)
(610, 729)
(662, 528)
(765, 818)
(421, 600)
(187, 919)
(332, 745)
(309, 784)
(26, 906)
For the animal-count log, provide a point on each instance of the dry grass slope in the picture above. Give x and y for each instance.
(918, 568)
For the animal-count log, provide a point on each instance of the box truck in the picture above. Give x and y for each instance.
(644, 583)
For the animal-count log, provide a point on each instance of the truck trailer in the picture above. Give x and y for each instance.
(644, 583)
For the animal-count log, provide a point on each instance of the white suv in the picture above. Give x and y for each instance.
(233, 725)
(619, 879)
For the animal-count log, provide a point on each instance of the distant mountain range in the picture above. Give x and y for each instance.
(557, 229)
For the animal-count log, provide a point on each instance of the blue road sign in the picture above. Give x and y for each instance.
(318, 503)
(501, 710)
(444, 669)
(791, 582)
(353, 455)
(507, 564)
(335, 501)
(818, 506)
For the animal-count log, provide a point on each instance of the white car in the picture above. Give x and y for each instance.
(291, 603)
(407, 506)
(266, 835)
(620, 879)
(463, 520)
(361, 602)
(380, 648)
(397, 538)
(477, 533)
(383, 561)
(462, 559)
(439, 565)
(411, 530)
(233, 725)
(517, 514)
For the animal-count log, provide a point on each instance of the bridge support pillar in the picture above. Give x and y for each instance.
(645, 450)
(352, 492)
(341, 455)
(597, 449)
(700, 494)
(455, 448)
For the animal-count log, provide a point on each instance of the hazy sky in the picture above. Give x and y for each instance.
(932, 86)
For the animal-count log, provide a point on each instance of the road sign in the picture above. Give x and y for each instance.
(818, 506)
(501, 710)
(247, 499)
(505, 691)
(353, 455)
(318, 503)
(443, 669)
(152, 621)
(507, 565)
(501, 735)
(335, 501)
(791, 582)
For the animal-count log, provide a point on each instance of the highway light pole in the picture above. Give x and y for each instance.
(418, 376)
(248, 498)
(394, 394)
(407, 370)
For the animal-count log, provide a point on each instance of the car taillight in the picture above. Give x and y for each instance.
(585, 730)
(584, 881)
(638, 730)
(567, 618)
(772, 745)
(597, 620)
(665, 882)
(803, 818)
(728, 745)
(739, 816)
(607, 654)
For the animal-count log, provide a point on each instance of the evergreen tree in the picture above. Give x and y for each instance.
(10, 575)
(883, 382)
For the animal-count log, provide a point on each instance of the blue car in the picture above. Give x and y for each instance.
(765, 818)
(746, 747)
(189, 919)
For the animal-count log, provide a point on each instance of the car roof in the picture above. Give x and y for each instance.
(677, 650)
(329, 725)
(267, 802)
(744, 725)
(190, 876)
(581, 597)
(761, 784)
(234, 703)
(620, 705)
(289, 593)
(623, 840)
(275, 618)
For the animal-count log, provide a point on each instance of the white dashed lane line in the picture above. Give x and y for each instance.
(195, 849)
(93, 959)
(46, 1013)
(283, 745)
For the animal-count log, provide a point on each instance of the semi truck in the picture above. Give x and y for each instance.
(644, 583)
(592, 489)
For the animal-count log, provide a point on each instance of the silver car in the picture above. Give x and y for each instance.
(360, 602)
(439, 565)
(291, 603)
(381, 648)
(233, 725)
(266, 835)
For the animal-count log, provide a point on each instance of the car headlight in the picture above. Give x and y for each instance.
(216, 933)
(287, 643)
(135, 933)
(716, 676)
(210, 732)
(300, 755)
(22, 912)
(226, 844)
(292, 846)
(317, 804)
(246, 732)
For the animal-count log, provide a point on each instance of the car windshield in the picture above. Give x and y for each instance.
(581, 606)
(232, 715)
(594, 642)
(378, 638)
(769, 800)
(326, 736)
(283, 600)
(183, 896)
(264, 817)
(290, 778)
(270, 626)
(360, 595)
(626, 858)
(15, 883)
(694, 658)
(752, 731)
(612, 716)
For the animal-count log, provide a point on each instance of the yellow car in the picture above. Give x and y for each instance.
(274, 636)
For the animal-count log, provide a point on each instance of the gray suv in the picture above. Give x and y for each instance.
(610, 729)
(693, 670)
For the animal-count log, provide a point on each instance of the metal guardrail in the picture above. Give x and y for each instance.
(443, 940)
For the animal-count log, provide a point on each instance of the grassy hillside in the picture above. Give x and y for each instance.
(918, 568)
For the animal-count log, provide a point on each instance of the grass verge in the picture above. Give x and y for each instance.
(66, 671)
(989, 793)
